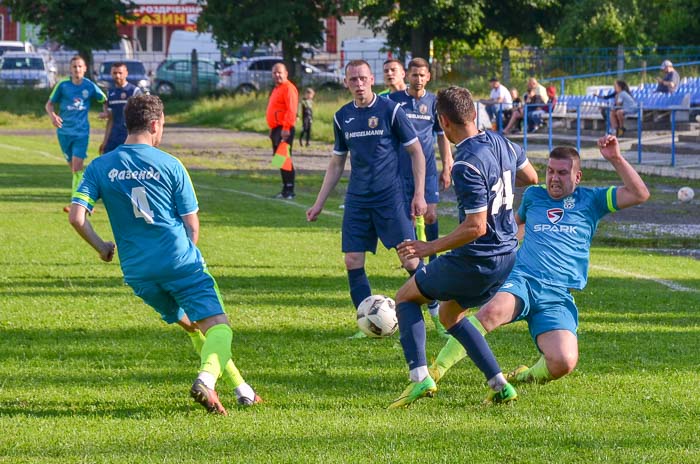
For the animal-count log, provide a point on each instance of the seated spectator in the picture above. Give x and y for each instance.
(535, 92)
(624, 105)
(669, 83)
(517, 103)
(498, 99)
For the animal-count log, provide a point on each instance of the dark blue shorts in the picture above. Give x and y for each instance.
(470, 281)
(196, 295)
(363, 225)
(432, 190)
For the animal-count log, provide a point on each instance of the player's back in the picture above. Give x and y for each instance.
(145, 191)
(483, 174)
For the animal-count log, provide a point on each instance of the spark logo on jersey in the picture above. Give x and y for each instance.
(555, 215)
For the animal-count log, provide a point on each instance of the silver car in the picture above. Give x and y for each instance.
(21, 69)
(255, 74)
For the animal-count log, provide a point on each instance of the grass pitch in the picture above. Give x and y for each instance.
(90, 374)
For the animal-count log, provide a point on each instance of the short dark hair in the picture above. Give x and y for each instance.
(566, 153)
(419, 63)
(356, 63)
(76, 58)
(140, 110)
(393, 60)
(456, 104)
(118, 64)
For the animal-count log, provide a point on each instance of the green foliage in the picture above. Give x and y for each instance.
(679, 23)
(83, 25)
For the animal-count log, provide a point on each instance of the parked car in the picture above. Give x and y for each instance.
(175, 76)
(15, 46)
(20, 69)
(255, 74)
(137, 75)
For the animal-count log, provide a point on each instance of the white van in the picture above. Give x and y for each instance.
(15, 46)
(183, 42)
(373, 50)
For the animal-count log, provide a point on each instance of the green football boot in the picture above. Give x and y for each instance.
(415, 391)
(506, 395)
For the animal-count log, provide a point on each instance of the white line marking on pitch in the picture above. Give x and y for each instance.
(262, 197)
(42, 153)
(667, 283)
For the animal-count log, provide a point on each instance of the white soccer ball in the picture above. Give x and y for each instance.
(376, 316)
(685, 194)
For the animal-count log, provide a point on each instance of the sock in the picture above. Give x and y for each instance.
(537, 373)
(431, 233)
(420, 266)
(477, 347)
(231, 374)
(418, 374)
(434, 308)
(497, 382)
(245, 391)
(450, 354)
(476, 323)
(359, 285)
(216, 350)
(412, 329)
(77, 177)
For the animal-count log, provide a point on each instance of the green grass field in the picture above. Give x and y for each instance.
(88, 373)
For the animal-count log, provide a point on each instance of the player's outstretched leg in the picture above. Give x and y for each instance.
(452, 353)
(245, 394)
(216, 352)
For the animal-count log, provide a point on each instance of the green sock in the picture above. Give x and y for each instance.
(537, 373)
(216, 349)
(77, 177)
(450, 354)
(476, 323)
(231, 373)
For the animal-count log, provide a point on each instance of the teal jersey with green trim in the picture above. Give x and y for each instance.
(146, 192)
(74, 104)
(558, 233)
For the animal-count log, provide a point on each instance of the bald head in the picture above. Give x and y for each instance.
(279, 73)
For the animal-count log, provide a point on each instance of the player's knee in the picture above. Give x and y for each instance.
(562, 363)
(447, 319)
(353, 261)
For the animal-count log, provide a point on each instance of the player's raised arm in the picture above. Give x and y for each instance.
(634, 191)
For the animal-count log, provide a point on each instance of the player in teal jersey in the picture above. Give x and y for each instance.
(152, 208)
(73, 97)
(394, 77)
(560, 219)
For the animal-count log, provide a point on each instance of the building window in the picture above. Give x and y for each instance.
(142, 36)
(157, 33)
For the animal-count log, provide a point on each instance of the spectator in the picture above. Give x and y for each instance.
(307, 115)
(498, 99)
(671, 79)
(536, 94)
(624, 105)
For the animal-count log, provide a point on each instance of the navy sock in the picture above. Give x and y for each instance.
(477, 347)
(359, 285)
(431, 233)
(420, 266)
(412, 329)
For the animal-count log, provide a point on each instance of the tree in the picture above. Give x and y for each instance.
(413, 24)
(83, 25)
(291, 22)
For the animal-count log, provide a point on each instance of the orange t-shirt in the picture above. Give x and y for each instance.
(282, 106)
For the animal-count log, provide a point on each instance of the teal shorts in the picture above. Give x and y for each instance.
(544, 307)
(196, 295)
(73, 145)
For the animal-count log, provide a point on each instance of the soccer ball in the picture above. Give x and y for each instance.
(376, 316)
(685, 194)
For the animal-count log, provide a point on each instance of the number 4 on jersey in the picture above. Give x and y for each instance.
(141, 207)
(504, 193)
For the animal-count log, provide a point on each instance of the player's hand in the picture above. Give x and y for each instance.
(103, 115)
(313, 212)
(413, 249)
(609, 147)
(445, 179)
(107, 251)
(418, 206)
(56, 120)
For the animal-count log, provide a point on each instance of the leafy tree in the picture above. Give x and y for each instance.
(83, 25)
(679, 24)
(291, 22)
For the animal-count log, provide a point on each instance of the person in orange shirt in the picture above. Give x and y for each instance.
(281, 116)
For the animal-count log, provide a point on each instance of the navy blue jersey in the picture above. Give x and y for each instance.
(423, 115)
(484, 178)
(116, 101)
(373, 136)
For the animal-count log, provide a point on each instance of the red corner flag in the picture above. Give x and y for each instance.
(282, 158)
